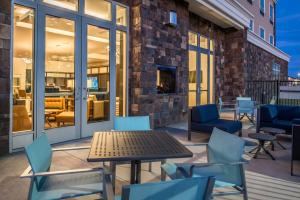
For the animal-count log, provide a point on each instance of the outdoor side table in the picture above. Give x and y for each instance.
(262, 139)
(274, 132)
(135, 146)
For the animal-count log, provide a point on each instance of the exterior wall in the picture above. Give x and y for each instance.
(156, 43)
(5, 21)
(259, 64)
(259, 19)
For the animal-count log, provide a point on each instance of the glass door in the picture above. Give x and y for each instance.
(58, 83)
(97, 105)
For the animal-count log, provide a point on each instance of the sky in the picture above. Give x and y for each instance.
(288, 32)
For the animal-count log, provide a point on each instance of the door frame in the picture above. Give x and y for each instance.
(207, 52)
(87, 129)
(61, 134)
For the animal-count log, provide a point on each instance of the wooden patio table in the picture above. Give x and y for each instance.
(135, 147)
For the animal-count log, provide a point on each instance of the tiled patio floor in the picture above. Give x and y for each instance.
(266, 179)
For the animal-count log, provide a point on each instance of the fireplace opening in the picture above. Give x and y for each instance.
(166, 79)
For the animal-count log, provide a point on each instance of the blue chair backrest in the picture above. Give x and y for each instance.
(135, 123)
(179, 189)
(205, 113)
(245, 106)
(243, 98)
(225, 148)
(39, 155)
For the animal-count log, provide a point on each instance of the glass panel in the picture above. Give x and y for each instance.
(23, 65)
(212, 45)
(98, 92)
(59, 72)
(98, 8)
(192, 78)
(121, 74)
(121, 15)
(211, 79)
(67, 4)
(193, 39)
(203, 98)
(204, 78)
(203, 42)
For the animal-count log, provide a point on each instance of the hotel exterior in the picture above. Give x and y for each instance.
(68, 67)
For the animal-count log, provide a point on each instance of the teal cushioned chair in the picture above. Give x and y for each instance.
(245, 108)
(199, 188)
(225, 162)
(46, 184)
(136, 123)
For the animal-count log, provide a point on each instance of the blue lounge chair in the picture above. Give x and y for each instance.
(225, 162)
(46, 184)
(199, 188)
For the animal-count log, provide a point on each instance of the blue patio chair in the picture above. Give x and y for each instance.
(225, 162)
(199, 188)
(46, 184)
(245, 108)
(136, 123)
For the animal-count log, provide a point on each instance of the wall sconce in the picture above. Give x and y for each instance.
(173, 18)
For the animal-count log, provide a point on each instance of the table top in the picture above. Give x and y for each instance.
(261, 136)
(135, 145)
(272, 130)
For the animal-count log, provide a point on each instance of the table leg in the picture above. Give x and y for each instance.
(113, 172)
(135, 175)
(283, 147)
(258, 150)
(162, 172)
(272, 146)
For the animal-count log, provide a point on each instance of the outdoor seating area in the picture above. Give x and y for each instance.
(116, 165)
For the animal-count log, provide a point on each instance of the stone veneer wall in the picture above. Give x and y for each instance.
(259, 64)
(5, 21)
(156, 43)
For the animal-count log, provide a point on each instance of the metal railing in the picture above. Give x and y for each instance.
(264, 91)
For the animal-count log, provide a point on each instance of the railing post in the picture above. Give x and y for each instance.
(277, 92)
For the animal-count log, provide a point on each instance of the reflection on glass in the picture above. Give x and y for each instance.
(203, 42)
(211, 79)
(59, 72)
(98, 8)
(212, 45)
(121, 15)
(67, 4)
(98, 92)
(192, 78)
(204, 78)
(193, 39)
(121, 74)
(23, 65)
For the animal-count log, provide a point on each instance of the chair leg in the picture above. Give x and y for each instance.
(150, 167)
(113, 172)
(240, 133)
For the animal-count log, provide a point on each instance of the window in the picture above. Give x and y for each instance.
(100, 9)
(121, 15)
(262, 6)
(271, 13)
(203, 42)
(271, 39)
(251, 25)
(262, 32)
(193, 39)
(23, 68)
(276, 71)
(67, 4)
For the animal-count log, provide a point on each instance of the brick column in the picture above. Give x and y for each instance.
(5, 22)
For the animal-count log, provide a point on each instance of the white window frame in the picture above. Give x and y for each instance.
(252, 30)
(264, 10)
(271, 18)
(262, 28)
(271, 35)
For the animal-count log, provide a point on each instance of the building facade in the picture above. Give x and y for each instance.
(68, 67)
